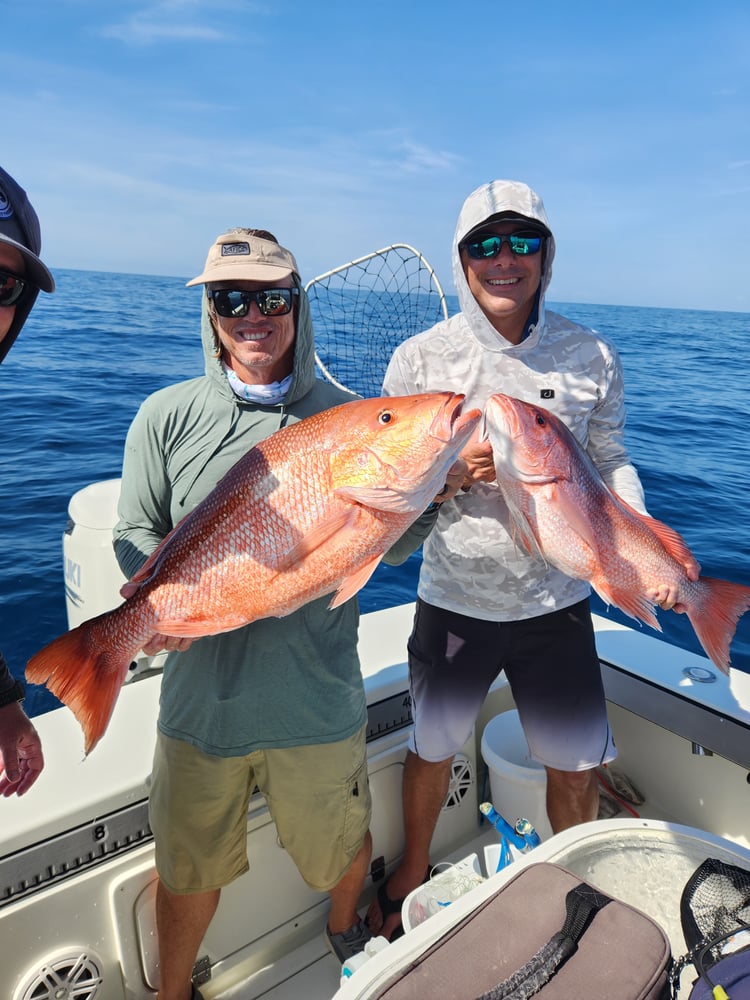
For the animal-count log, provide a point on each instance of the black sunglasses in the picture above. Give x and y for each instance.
(11, 288)
(490, 246)
(233, 302)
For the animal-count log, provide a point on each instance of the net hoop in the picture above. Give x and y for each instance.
(364, 309)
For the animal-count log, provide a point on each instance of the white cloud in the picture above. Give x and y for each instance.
(177, 21)
(421, 158)
(144, 30)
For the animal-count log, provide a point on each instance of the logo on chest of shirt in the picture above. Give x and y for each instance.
(546, 393)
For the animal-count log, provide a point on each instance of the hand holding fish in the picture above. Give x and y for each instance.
(21, 758)
(453, 481)
(480, 466)
(166, 643)
(667, 596)
(563, 510)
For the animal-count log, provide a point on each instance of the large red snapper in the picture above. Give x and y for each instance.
(307, 512)
(563, 510)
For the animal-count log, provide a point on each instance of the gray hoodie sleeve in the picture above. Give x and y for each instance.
(145, 494)
(412, 538)
(606, 429)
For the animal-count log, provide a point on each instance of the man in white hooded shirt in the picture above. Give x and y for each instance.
(484, 605)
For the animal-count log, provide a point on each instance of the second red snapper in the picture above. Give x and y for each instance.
(564, 511)
(309, 511)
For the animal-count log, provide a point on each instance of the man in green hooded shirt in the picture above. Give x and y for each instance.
(279, 703)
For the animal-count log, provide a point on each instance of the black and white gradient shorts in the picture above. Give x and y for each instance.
(551, 665)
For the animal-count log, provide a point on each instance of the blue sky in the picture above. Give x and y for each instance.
(143, 129)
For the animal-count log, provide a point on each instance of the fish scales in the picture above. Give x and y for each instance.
(562, 510)
(308, 512)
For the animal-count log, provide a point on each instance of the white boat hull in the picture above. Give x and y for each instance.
(77, 876)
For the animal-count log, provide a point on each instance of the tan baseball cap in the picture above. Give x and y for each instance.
(240, 257)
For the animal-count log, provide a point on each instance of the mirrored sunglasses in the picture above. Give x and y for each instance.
(11, 288)
(233, 302)
(490, 246)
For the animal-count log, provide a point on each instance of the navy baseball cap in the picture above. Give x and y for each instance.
(19, 228)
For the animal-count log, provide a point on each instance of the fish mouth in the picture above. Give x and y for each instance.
(450, 423)
(507, 414)
(504, 406)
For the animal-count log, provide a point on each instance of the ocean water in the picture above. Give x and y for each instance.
(90, 353)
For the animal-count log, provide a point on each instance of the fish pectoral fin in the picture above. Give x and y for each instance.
(523, 533)
(354, 583)
(326, 529)
(575, 517)
(379, 497)
(522, 528)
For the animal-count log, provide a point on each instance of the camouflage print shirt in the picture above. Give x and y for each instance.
(471, 563)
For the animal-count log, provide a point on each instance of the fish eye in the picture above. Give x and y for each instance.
(385, 417)
(540, 420)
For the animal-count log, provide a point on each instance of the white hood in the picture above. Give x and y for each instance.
(484, 203)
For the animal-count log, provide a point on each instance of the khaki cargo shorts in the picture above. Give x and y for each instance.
(318, 797)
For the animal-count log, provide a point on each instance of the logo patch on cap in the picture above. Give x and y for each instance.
(6, 209)
(235, 250)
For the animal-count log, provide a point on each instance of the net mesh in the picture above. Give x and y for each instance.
(715, 903)
(364, 309)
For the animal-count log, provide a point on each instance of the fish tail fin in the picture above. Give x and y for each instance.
(85, 673)
(715, 618)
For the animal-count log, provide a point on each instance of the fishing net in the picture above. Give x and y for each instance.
(715, 917)
(364, 309)
(715, 906)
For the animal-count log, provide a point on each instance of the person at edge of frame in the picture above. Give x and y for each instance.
(22, 277)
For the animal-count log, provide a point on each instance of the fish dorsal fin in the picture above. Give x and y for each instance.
(354, 583)
(672, 540)
(148, 569)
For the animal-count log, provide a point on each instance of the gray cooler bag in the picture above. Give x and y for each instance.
(544, 934)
